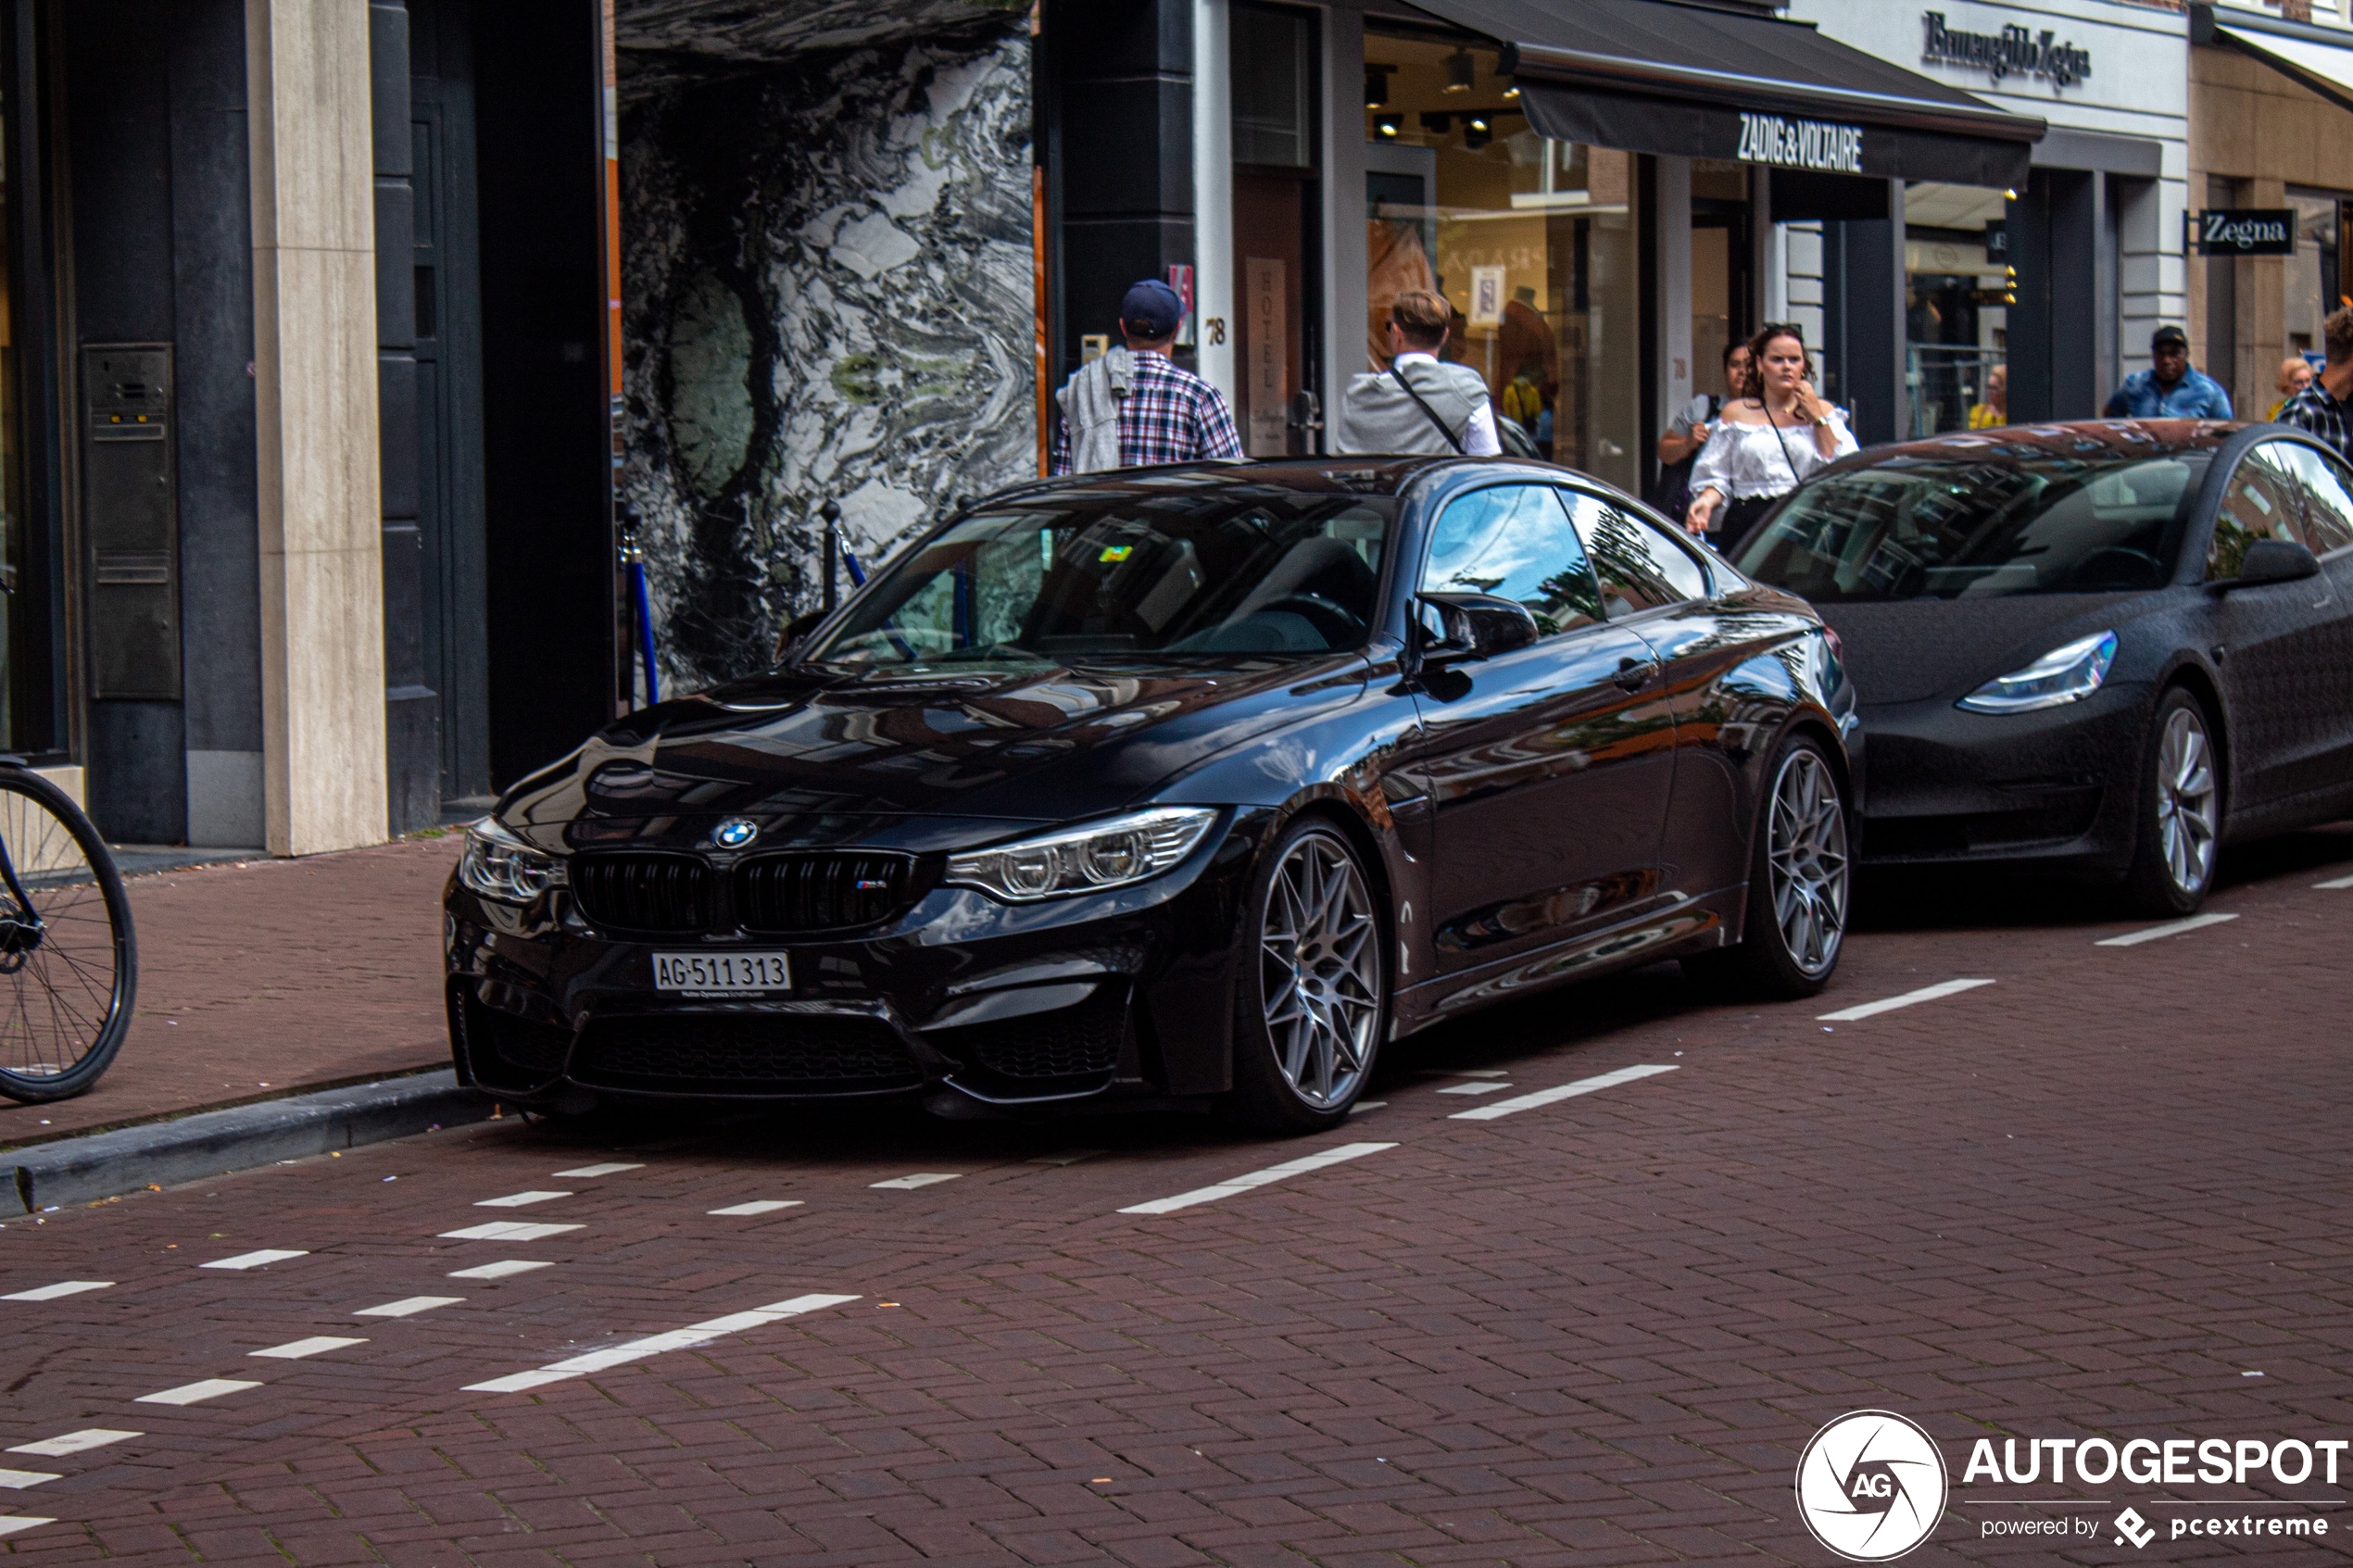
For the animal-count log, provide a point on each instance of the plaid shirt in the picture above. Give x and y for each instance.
(1169, 416)
(2313, 409)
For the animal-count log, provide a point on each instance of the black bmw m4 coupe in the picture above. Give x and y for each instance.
(1173, 785)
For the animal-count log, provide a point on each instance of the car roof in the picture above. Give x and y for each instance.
(1330, 475)
(2076, 439)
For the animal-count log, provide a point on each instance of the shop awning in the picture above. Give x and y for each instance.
(2317, 57)
(1698, 82)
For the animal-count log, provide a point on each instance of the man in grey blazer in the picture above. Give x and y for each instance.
(1420, 403)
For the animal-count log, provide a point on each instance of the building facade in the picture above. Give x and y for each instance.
(352, 345)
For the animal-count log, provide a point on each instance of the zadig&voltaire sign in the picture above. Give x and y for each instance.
(2000, 54)
(1801, 143)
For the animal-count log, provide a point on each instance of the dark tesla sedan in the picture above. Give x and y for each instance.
(2102, 648)
(1171, 784)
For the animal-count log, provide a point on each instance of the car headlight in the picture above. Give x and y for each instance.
(2063, 675)
(1111, 853)
(498, 865)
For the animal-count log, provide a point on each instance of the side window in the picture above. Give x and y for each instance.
(1515, 541)
(1640, 567)
(2328, 501)
(2260, 504)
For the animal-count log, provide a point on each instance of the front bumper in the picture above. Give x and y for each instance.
(961, 1000)
(2056, 790)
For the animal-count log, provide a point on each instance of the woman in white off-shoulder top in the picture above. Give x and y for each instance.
(1761, 449)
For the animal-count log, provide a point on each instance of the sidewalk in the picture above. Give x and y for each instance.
(273, 976)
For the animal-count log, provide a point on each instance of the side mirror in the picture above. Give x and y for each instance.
(796, 631)
(2274, 560)
(1477, 626)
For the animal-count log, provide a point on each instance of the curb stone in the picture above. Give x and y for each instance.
(212, 1142)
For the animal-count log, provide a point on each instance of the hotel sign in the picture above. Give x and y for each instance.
(2013, 50)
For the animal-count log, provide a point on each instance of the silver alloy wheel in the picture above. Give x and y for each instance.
(2186, 814)
(1806, 851)
(1320, 968)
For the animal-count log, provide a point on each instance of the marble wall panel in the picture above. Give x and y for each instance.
(826, 286)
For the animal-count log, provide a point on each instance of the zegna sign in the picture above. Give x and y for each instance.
(2012, 50)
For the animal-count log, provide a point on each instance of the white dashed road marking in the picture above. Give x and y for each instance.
(1284, 1171)
(2340, 882)
(63, 1288)
(1481, 1087)
(317, 1345)
(407, 1306)
(498, 1269)
(11, 1523)
(2158, 933)
(1909, 998)
(920, 1179)
(520, 1200)
(18, 1480)
(191, 1393)
(252, 1260)
(74, 1442)
(1518, 1103)
(609, 1168)
(654, 1345)
(507, 1230)
(759, 1206)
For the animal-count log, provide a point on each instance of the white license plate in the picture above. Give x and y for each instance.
(722, 973)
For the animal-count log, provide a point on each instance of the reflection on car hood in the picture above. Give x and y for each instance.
(1036, 743)
(1914, 649)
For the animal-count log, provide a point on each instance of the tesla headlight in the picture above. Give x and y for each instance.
(1111, 853)
(2063, 675)
(498, 865)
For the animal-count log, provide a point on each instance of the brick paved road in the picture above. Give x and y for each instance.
(2087, 1200)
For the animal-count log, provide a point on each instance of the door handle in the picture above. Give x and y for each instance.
(1633, 674)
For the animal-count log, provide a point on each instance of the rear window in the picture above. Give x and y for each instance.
(1959, 527)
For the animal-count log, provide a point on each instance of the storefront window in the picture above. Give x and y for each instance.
(2313, 282)
(12, 551)
(1533, 242)
(1957, 290)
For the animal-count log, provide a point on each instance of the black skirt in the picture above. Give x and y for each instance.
(1736, 521)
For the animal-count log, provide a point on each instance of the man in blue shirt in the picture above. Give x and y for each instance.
(2170, 389)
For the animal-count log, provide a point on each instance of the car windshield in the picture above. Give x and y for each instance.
(1981, 527)
(1242, 569)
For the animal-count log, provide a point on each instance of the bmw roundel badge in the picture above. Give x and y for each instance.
(735, 832)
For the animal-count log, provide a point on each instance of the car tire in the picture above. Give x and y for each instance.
(1800, 882)
(1312, 1002)
(2178, 827)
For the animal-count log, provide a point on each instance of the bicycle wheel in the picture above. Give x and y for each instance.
(68, 963)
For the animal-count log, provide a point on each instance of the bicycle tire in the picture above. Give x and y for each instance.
(66, 997)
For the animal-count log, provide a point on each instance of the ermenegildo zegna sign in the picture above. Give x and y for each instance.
(2243, 231)
(2000, 54)
(1801, 143)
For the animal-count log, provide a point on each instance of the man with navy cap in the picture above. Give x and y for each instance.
(1134, 406)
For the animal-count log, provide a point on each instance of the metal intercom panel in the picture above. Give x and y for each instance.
(131, 520)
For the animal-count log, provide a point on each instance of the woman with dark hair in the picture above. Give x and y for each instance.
(1763, 446)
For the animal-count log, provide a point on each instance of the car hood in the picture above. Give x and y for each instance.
(831, 758)
(1914, 649)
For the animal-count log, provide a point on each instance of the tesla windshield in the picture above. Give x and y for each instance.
(1913, 528)
(1239, 570)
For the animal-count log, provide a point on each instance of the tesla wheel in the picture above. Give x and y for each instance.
(2180, 816)
(1315, 1001)
(1799, 881)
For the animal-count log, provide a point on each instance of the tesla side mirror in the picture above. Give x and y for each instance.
(1476, 626)
(795, 632)
(2274, 561)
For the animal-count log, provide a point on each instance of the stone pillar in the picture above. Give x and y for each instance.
(314, 291)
